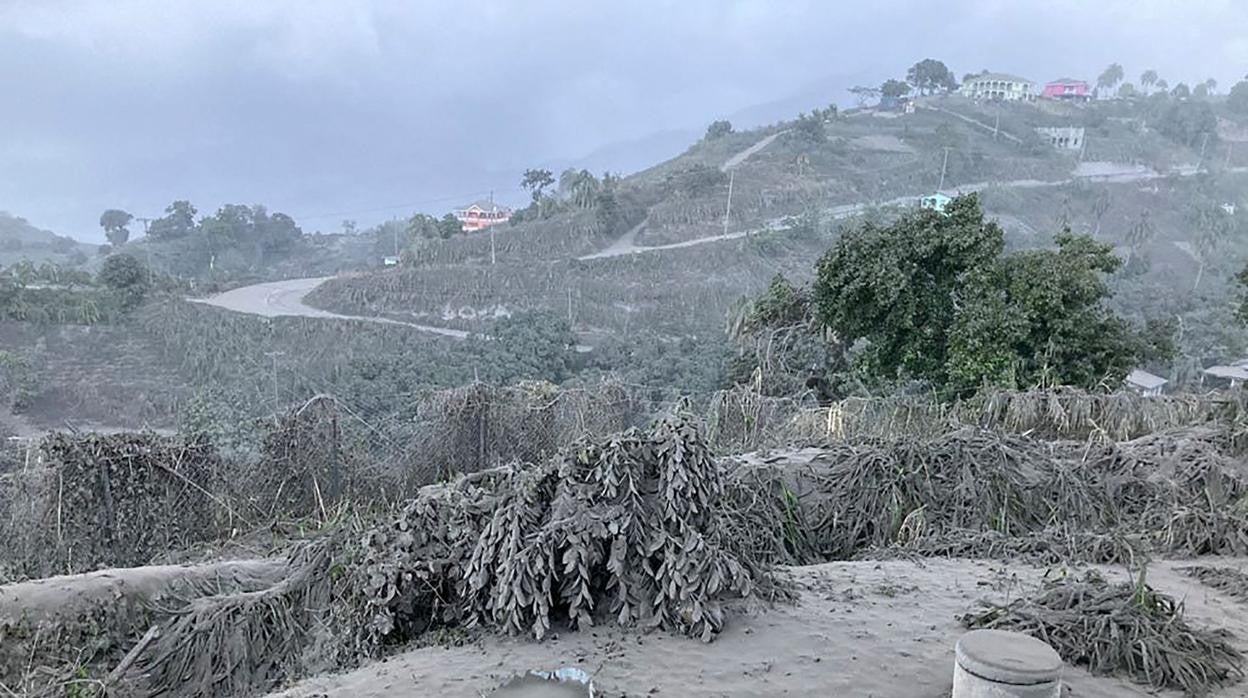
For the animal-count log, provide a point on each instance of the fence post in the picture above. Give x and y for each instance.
(106, 494)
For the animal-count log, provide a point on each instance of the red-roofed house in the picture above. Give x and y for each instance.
(1067, 88)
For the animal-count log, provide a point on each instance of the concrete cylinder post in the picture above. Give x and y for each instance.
(1000, 664)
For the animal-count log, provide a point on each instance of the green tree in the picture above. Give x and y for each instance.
(536, 181)
(933, 297)
(1109, 77)
(718, 129)
(450, 226)
(1241, 283)
(1127, 90)
(895, 286)
(1100, 206)
(1187, 122)
(1140, 234)
(423, 226)
(1181, 91)
(1147, 79)
(1211, 229)
(894, 89)
(114, 222)
(529, 345)
(607, 211)
(178, 222)
(864, 94)
(930, 75)
(1038, 317)
(1237, 100)
(126, 277)
(810, 128)
(1162, 85)
(580, 187)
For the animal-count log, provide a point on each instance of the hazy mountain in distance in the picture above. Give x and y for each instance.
(632, 155)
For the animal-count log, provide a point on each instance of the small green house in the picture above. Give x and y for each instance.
(937, 202)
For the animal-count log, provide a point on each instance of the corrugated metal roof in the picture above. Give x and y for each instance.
(1237, 373)
(1144, 379)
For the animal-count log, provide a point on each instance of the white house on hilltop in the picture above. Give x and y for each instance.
(998, 86)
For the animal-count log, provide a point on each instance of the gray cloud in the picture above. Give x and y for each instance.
(331, 109)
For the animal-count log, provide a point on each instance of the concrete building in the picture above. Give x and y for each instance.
(1063, 137)
(998, 86)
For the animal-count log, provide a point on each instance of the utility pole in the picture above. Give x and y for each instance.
(1204, 141)
(273, 355)
(732, 175)
(943, 167)
(493, 258)
(147, 245)
(996, 125)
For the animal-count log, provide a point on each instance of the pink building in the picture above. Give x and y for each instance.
(1066, 88)
(479, 215)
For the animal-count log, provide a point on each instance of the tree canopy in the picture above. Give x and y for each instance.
(718, 129)
(1237, 100)
(536, 181)
(1187, 122)
(933, 297)
(1112, 75)
(894, 89)
(114, 222)
(178, 222)
(930, 75)
(126, 277)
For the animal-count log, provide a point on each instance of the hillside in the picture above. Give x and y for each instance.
(644, 270)
(21, 241)
(793, 184)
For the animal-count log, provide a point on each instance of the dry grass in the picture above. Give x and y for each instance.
(1121, 629)
(1229, 581)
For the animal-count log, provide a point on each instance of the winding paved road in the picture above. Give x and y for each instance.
(285, 299)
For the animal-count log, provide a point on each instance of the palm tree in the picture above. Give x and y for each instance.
(1163, 85)
(1140, 234)
(1147, 79)
(1110, 77)
(1213, 227)
(1211, 85)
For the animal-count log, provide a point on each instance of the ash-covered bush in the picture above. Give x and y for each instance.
(627, 529)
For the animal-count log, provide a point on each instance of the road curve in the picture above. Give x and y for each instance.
(285, 299)
(1108, 172)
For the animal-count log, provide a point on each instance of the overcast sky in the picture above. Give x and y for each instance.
(365, 109)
